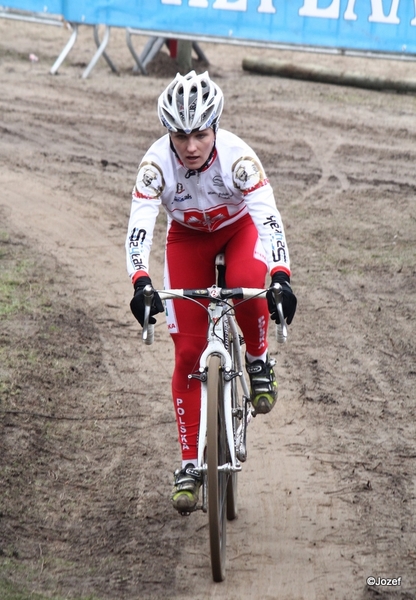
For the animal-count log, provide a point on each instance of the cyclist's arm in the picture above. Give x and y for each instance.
(146, 200)
(250, 178)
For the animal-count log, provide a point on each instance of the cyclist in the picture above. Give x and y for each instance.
(217, 199)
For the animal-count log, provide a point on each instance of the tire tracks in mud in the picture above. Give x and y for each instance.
(326, 496)
(285, 518)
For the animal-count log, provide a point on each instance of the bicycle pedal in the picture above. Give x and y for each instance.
(186, 513)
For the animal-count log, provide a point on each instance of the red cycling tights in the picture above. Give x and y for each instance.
(190, 263)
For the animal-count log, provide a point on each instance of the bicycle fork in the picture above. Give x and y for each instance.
(216, 347)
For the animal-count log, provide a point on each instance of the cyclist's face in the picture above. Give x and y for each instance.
(193, 149)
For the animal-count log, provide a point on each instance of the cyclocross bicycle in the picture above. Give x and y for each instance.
(225, 400)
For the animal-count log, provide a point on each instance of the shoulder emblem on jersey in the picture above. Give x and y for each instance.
(149, 182)
(248, 174)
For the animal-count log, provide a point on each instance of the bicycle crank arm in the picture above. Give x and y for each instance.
(241, 444)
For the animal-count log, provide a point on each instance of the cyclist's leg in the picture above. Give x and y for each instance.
(246, 267)
(189, 264)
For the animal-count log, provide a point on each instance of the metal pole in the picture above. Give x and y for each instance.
(66, 50)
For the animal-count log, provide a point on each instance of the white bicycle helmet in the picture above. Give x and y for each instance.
(191, 102)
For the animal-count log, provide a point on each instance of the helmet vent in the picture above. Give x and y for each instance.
(191, 102)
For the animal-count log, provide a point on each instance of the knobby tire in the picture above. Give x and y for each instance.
(216, 480)
(232, 510)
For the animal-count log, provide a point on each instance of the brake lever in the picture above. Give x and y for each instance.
(281, 328)
(148, 328)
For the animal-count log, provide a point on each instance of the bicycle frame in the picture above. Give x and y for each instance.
(219, 316)
(217, 345)
(223, 418)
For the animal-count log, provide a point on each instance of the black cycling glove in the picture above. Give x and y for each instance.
(289, 300)
(137, 302)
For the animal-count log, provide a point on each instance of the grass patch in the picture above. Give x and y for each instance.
(13, 274)
(50, 370)
(11, 591)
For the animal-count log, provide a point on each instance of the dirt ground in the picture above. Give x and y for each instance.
(88, 439)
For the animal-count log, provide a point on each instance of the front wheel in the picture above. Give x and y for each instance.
(233, 348)
(232, 508)
(216, 479)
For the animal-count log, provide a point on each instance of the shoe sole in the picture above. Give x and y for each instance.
(184, 503)
(263, 406)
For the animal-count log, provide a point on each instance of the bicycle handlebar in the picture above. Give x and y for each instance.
(213, 293)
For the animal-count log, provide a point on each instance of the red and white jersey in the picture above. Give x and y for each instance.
(231, 185)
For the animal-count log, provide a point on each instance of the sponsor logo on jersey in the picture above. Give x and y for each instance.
(277, 239)
(136, 240)
(248, 175)
(182, 198)
(149, 182)
(219, 183)
(208, 220)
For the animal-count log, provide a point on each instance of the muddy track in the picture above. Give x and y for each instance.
(327, 496)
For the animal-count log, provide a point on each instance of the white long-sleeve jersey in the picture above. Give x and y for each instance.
(230, 186)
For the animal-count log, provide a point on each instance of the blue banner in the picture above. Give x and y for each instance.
(370, 25)
(362, 25)
(47, 7)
